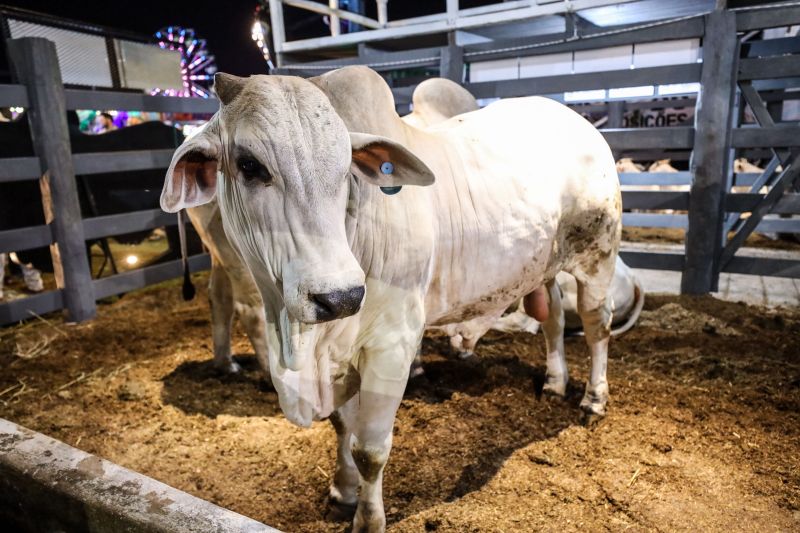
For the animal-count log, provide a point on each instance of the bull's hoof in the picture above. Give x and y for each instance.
(553, 397)
(554, 389)
(465, 355)
(340, 511)
(228, 367)
(591, 420)
(593, 409)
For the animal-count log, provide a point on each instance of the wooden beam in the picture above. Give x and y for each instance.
(107, 162)
(655, 178)
(788, 204)
(452, 63)
(13, 96)
(650, 138)
(590, 80)
(88, 99)
(758, 19)
(652, 260)
(762, 68)
(23, 308)
(654, 220)
(655, 200)
(20, 169)
(17, 240)
(376, 60)
(527, 46)
(710, 158)
(35, 62)
(771, 47)
(764, 266)
(109, 225)
(143, 277)
(779, 136)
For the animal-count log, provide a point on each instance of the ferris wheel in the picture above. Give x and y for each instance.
(197, 65)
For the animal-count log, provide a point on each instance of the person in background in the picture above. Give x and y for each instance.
(104, 123)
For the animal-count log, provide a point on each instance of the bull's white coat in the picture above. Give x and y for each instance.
(498, 222)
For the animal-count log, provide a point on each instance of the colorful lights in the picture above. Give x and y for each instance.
(197, 65)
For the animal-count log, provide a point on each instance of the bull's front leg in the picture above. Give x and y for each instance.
(344, 489)
(384, 374)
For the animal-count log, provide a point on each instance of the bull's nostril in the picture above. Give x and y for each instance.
(325, 304)
(337, 304)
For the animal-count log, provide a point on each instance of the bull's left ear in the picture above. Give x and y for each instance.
(385, 163)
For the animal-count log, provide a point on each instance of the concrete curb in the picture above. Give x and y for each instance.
(46, 485)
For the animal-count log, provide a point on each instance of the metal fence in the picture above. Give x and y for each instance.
(41, 91)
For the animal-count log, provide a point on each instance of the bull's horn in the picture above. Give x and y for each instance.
(227, 86)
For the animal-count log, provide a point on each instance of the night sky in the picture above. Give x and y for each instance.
(225, 25)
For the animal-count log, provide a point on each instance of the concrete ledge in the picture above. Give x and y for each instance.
(46, 485)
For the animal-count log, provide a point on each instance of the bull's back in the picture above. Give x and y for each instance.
(522, 188)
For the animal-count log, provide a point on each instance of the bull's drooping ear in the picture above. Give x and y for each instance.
(387, 164)
(192, 175)
(227, 86)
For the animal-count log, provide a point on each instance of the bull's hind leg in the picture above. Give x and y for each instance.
(594, 308)
(220, 297)
(557, 376)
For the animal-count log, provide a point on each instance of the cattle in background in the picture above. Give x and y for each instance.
(351, 268)
(626, 164)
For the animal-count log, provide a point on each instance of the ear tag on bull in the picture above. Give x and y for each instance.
(388, 168)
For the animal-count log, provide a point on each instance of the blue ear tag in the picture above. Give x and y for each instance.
(388, 168)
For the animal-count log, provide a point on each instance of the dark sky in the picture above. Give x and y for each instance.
(224, 24)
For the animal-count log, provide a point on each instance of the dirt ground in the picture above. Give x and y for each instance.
(703, 431)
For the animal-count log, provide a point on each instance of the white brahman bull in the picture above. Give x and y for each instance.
(351, 272)
(231, 289)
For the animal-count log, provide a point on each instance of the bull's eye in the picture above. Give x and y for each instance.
(252, 169)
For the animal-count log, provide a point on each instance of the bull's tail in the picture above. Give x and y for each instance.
(188, 287)
(638, 293)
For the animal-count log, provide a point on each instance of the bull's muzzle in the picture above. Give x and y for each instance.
(337, 304)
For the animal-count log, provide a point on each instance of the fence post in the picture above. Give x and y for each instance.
(710, 156)
(451, 61)
(35, 64)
